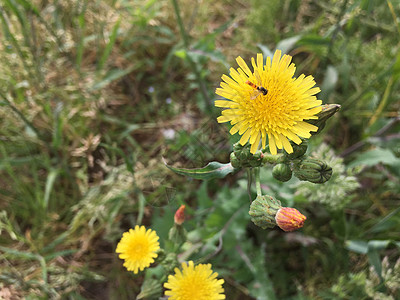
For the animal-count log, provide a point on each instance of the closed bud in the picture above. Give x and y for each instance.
(180, 215)
(289, 219)
(298, 150)
(255, 159)
(328, 110)
(234, 161)
(177, 234)
(241, 157)
(312, 170)
(282, 172)
(263, 210)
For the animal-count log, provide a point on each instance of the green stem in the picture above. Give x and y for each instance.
(271, 159)
(258, 184)
(185, 38)
(249, 180)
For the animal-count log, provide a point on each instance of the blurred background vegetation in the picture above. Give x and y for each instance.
(94, 93)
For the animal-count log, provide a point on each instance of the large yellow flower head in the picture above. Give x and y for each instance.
(269, 102)
(194, 282)
(138, 248)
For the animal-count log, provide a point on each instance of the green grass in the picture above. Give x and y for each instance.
(87, 90)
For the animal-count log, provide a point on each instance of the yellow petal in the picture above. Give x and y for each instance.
(223, 119)
(243, 65)
(245, 137)
(272, 145)
(286, 144)
(254, 145)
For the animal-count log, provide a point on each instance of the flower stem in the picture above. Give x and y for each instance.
(258, 184)
(249, 180)
(271, 159)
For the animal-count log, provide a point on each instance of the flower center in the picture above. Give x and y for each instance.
(139, 249)
(195, 288)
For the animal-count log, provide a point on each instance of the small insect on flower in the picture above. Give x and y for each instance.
(280, 115)
(258, 90)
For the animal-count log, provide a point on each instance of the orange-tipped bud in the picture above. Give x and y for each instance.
(289, 219)
(180, 215)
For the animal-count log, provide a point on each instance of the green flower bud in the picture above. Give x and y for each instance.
(282, 172)
(255, 159)
(298, 150)
(263, 210)
(312, 170)
(234, 161)
(177, 234)
(241, 152)
(242, 157)
(328, 110)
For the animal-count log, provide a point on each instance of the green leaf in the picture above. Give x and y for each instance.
(371, 249)
(19, 254)
(111, 76)
(375, 156)
(51, 178)
(329, 83)
(265, 50)
(357, 246)
(212, 170)
(378, 244)
(287, 44)
(387, 223)
(109, 46)
(375, 261)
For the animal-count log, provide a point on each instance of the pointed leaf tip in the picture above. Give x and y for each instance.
(210, 171)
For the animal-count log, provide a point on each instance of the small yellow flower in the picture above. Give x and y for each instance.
(138, 248)
(194, 282)
(269, 102)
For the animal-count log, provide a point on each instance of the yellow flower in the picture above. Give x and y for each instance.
(138, 248)
(194, 282)
(269, 102)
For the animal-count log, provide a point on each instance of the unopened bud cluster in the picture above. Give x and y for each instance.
(303, 167)
(241, 157)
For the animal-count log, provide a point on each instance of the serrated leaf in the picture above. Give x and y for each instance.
(212, 170)
(375, 156)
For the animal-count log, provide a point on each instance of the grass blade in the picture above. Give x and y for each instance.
(109, 46)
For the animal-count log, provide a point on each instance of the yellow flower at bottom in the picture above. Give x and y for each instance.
(194, 282)
(268, 102)
(138, 248)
